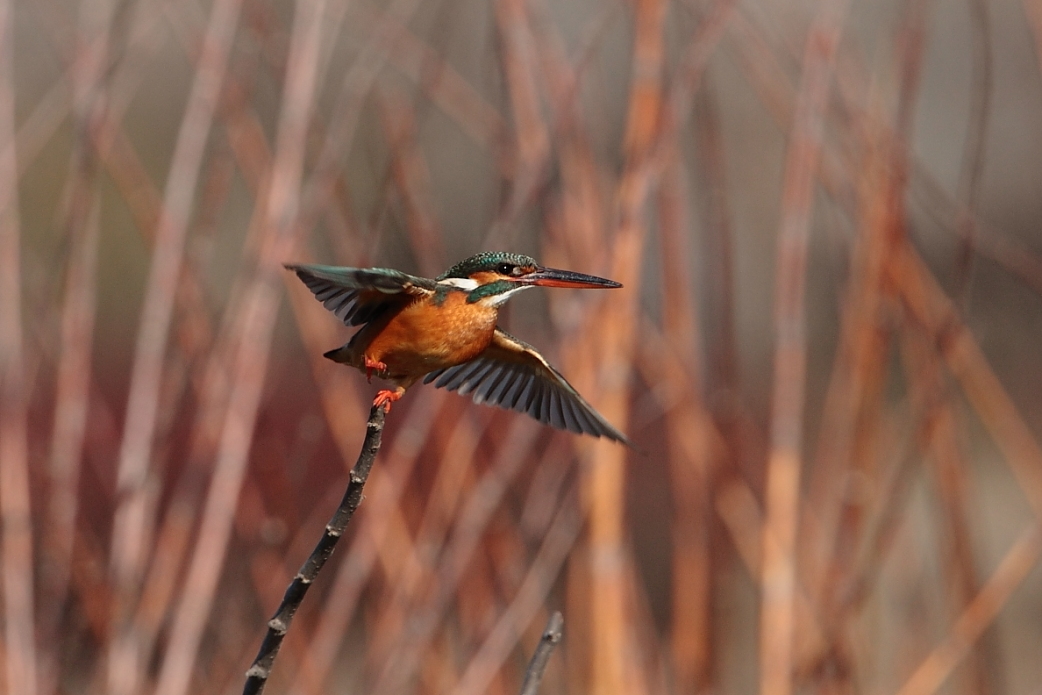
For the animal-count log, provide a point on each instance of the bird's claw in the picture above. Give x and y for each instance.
(373, 367)
(385, 398)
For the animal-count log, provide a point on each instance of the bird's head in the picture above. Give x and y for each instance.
(493, 277)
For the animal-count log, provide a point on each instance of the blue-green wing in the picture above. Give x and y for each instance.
(512, 374)
(358, 295)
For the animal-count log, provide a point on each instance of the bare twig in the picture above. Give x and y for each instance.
(257, 676)
(537, 667)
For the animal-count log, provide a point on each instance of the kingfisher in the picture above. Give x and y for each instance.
(444, 331)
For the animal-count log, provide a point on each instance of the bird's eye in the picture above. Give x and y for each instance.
(506, 269)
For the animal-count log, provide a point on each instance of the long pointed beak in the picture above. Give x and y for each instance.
(551, 277)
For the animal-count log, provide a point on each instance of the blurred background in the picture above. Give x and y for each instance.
(826, 218)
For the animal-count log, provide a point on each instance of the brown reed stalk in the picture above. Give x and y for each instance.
(20, 657)
(99, 110)
(950, 464)
(437, 78)
(826, 659)
(73, 372)
(540, 577)
(695, 60)
(565, 208)
(531, 143)
(173, 538)
(250, 149)
(1014, 259)
(690, 436)
(457, 552)
(966, 362)
(1034, 15)
(782, 497)
(1010, 434)
(992, 241)
(276, 212)
(400, 658)
(974, 147)
(472, 519)
(613, 332)
(576, 229)
(323, 183)
(993, 596)
(131, 521)
(718, 272)
(412, 178)
(848, 437)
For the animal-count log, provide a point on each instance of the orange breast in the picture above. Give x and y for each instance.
(425, 336)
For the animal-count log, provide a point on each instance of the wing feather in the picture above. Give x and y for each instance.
(467, 379)
(512, 394)
(557, 411)
(511, 374)
(571, 423)
(496, 379)
(509, 379)
(359, 295)
(535, 400)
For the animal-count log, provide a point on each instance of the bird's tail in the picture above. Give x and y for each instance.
(340, 354)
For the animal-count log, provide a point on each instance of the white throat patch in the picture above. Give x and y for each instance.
(497, 300)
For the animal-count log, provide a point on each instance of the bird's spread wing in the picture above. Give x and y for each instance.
(511, 374)
(358, 295)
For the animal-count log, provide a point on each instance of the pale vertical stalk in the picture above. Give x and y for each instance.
(15, 513)
(413, 178)
(132, 524)
(279, 207)
(950, 469)
(72, 388)
(386, 38)
(778, 578)
(847, 435)
(532, 143)
(612, 668)
(689, 437)
(974, 148)
(718, 273)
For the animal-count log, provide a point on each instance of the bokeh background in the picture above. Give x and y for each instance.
(826, 218)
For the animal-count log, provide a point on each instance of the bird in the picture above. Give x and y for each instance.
(443, 331)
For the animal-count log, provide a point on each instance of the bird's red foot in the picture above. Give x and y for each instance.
(385, 398)
(373, 367)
